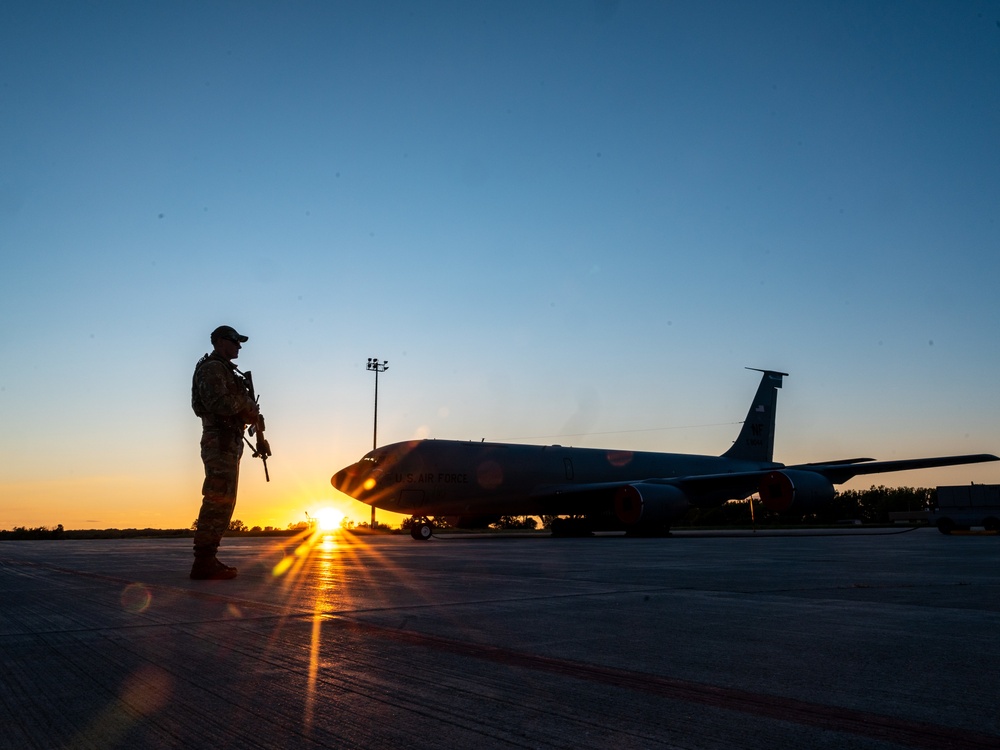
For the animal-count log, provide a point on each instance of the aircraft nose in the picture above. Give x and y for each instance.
(345, 479)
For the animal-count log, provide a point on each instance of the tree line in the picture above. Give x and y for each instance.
(871, 506)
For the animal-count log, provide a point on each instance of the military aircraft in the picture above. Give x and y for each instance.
(472, 484)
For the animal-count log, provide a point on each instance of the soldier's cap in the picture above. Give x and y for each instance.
(228, 332)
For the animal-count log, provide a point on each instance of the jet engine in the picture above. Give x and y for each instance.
(649, 503)
(802, 491)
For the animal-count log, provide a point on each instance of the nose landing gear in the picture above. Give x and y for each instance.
(422, 529)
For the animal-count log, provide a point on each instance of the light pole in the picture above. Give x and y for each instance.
(375, 366)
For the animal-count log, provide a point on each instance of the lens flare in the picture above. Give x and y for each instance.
(136, 598)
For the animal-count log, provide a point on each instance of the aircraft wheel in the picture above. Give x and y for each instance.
(946, 526)
(421, 530)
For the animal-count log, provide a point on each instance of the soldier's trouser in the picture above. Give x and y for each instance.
(220, 452)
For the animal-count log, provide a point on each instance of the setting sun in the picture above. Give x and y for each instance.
(328, 518)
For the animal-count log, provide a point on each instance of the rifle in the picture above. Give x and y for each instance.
(262, 450)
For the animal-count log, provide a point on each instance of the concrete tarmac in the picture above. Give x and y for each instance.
(846, 640)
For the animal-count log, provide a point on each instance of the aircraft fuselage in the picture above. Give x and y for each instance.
(450, 477)
(633, 490)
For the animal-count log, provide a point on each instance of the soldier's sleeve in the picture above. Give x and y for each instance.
(216, 394)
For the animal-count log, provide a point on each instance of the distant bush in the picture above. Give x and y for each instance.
(515, 522)
(38, 532)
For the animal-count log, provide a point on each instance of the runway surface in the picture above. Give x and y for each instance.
(852, 640)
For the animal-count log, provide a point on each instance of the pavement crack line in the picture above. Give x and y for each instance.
(834, 718)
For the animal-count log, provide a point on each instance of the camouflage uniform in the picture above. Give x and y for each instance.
(220, 396)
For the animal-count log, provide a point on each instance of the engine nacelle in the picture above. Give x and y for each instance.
(802, 491)
(649, 503)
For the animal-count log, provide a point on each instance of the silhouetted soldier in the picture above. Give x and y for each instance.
(220, 396)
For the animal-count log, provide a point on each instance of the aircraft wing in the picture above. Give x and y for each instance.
(839, 472)
(705, 489)
(700, 488)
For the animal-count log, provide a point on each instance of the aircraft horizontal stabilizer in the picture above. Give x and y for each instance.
(839, 472)
(838, 462)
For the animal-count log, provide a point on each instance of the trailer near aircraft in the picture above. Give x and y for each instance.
(963, 507)
(472, 484)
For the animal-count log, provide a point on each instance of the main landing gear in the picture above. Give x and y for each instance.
(422, 529)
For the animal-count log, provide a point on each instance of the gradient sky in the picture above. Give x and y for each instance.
(571, 222)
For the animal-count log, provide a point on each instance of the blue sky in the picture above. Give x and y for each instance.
(569, 222)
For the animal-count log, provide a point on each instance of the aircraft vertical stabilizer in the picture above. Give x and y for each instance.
(756, 439)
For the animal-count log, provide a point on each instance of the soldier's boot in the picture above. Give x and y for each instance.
(208, 568)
